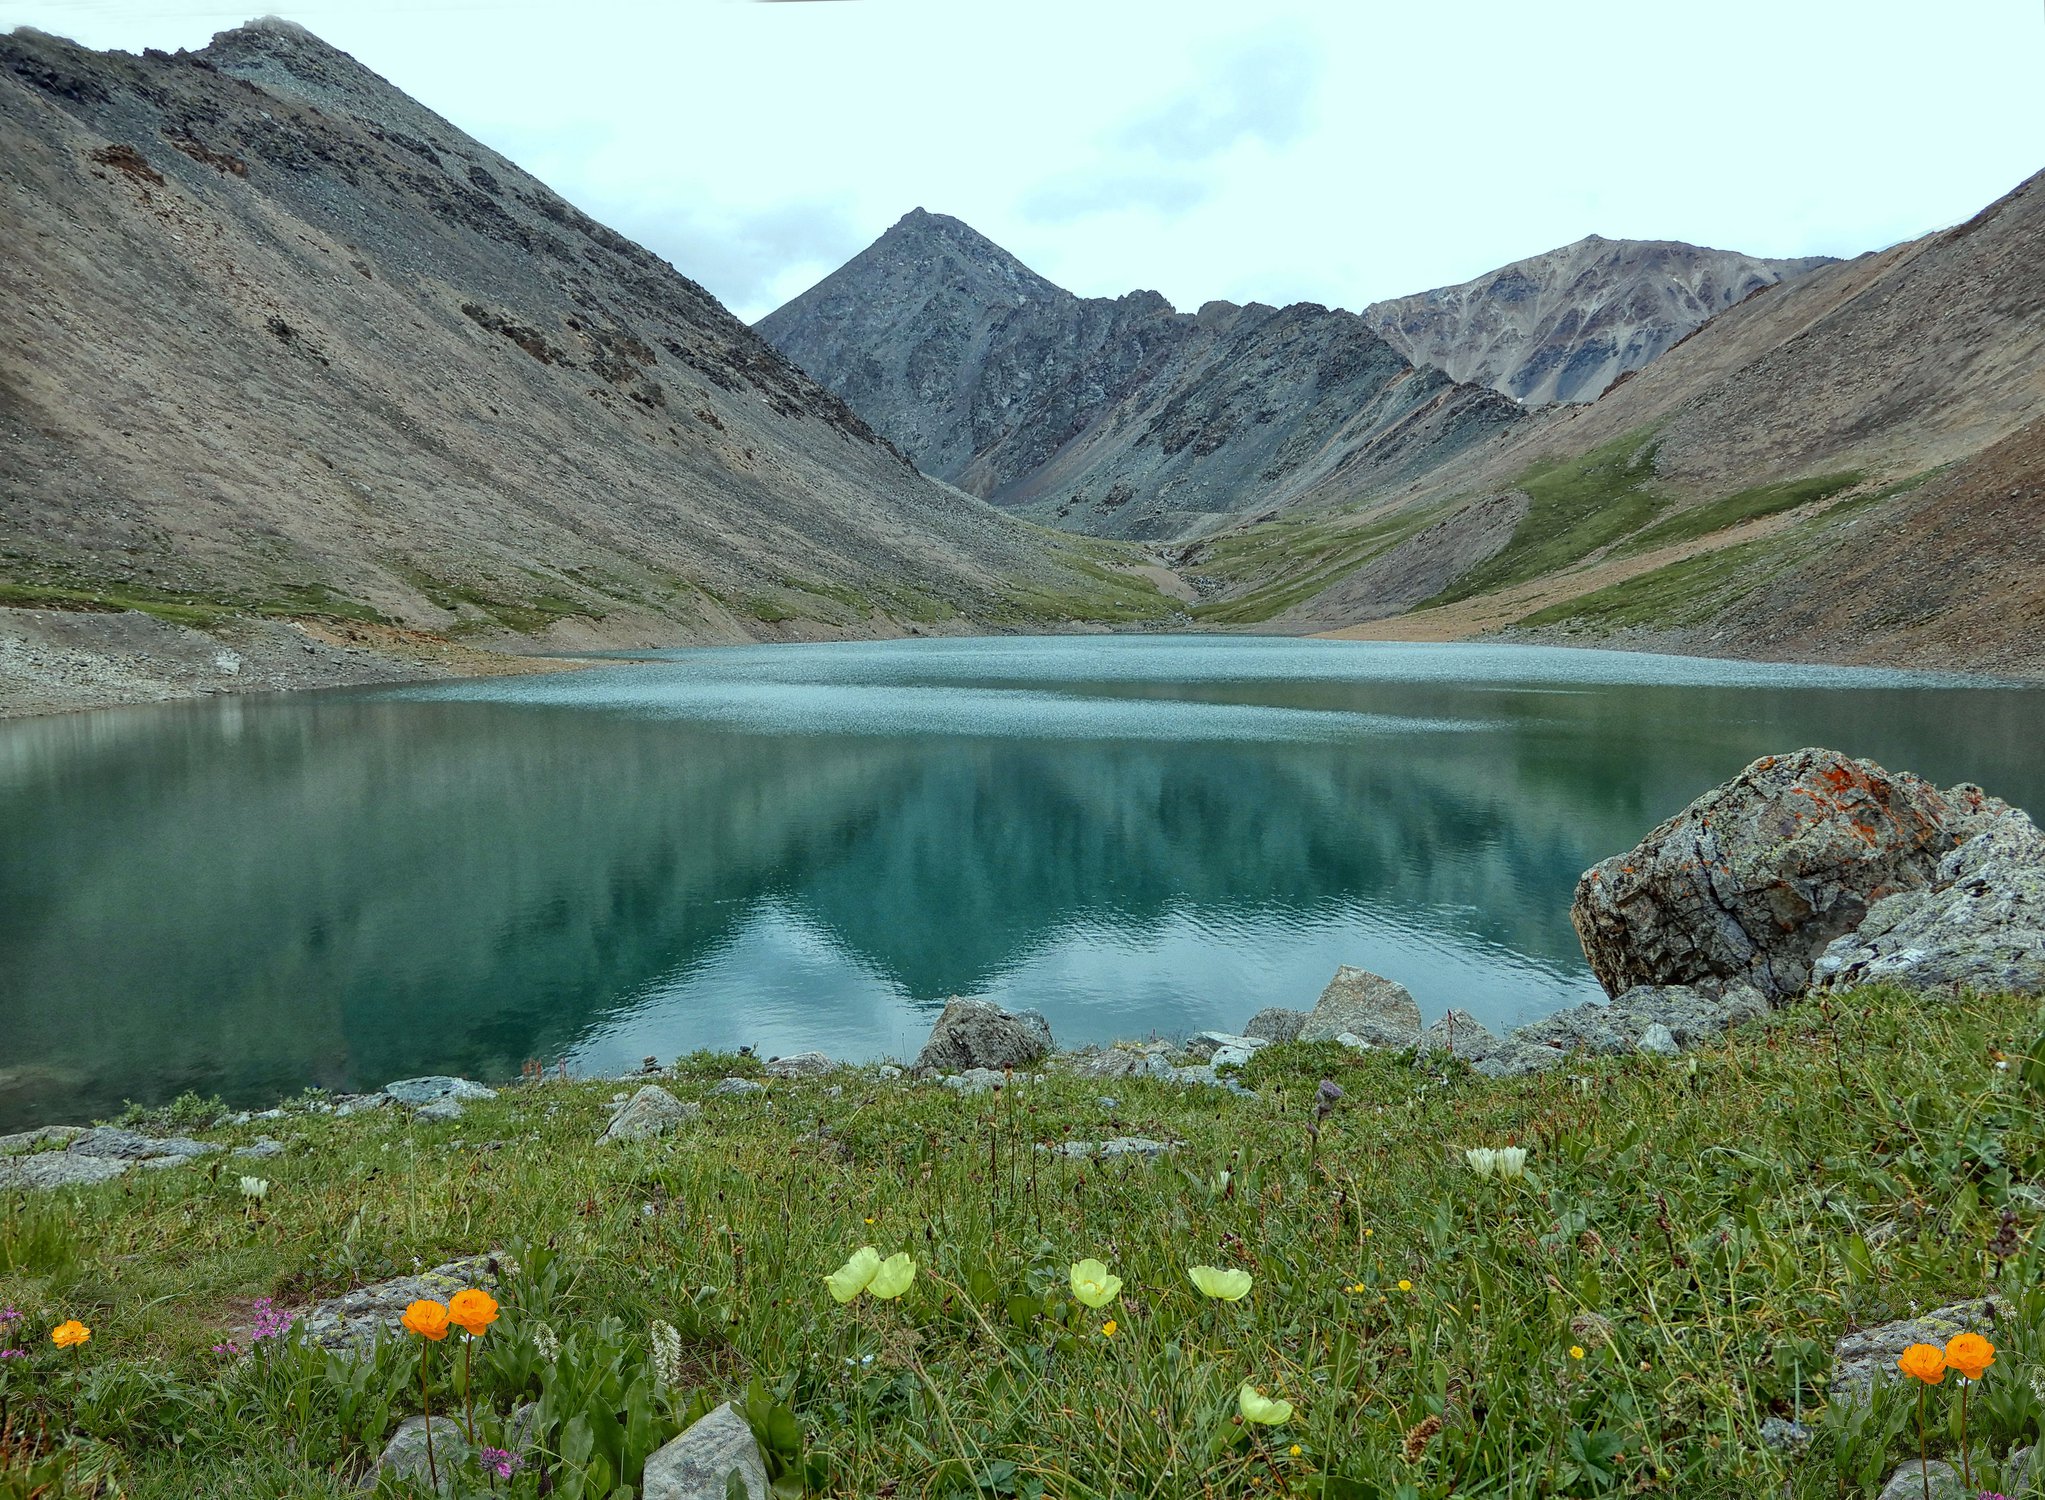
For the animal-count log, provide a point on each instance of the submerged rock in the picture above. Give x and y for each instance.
(1749, 883)
(980, 1034)
(1365, 1005)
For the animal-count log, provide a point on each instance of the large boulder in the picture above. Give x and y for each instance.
(700, 1464)
(1365, 1005)
(980, 1034)
(1980, 923)
(1274, 1023)
(1749, 883)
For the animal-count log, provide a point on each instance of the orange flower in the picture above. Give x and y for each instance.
(428, 1319)
(1969, 1354)
(70, 1335)
(1923, 1362)
(472, 1311)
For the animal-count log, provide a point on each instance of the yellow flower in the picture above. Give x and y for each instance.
(1969, 1355)
(1925, 1362)
(893, 1277)
(70, 1334)
(869, 1221)
(1405, 1285)
(472, 1311)
(1368, 1232)
(1258, 1407)
(850, 1279)
(428, 1319)
(1092, 1283)
(1356, 1287)
(1293, 1450)
(1108, 1329)
(1576, 1351)
(1228, 1286)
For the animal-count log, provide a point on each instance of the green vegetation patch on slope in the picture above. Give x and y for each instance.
(1670, 1273)
(284, 601)
(1277, 564)
(1747, 505)
(1578, 505)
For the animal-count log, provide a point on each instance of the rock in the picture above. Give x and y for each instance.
(57, 1169)
(261, 1146)
(1659, 1040)
(1856, 1357)
(1789, 1437)
(1274, 1023)
(727, 1087)
(404, 1456)
(1124, 1060)
(1365, 1005)
(418, 1091)
(1108, 1102)
(698, 1465)
(1979, 924)
(980, 1034)
(351, 1320)
(1749, 883)
(1461, 1034)
(1207, 1044)
(1908, 1482)
(1613, 1027)
(1121, 1145)
(651, 1112)
(888, 1073)
(48, 1135)
(128, 1145)
(802, 1065)
(355, 1104)
(976, 1080)
(439, 1110)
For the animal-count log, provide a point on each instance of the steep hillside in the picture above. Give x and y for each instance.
(1564, 325)
(277, 340)
(1116, 416)
(1847, 467)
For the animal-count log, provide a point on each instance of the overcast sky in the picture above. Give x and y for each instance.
(1335, 152)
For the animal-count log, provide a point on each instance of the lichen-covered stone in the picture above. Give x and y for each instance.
(352, 1320)
(1366, 1005)
(651, 1112)
(980, 1034)
(1274, 1023)
(801, 1065)
(1749, 883)
(1856, 1357)
(698, 1465)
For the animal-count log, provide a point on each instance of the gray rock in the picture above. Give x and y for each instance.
(1979, 924)
(438, 1111)
(1274, 1023)
(60, 1169)
(725, 1088)
(802, 1065)
(404, 1456)
(1908, 1482)
(1513, 1058)
(1366, 1005)
(978, 1080)
(1749, 883)
(418, 1091)
(698, 1465)
(980, 1034)
(48, 1135)
(1787, 1436)
(128, 1145)
(261, 1146)
(351, 1321)
(1659, 1040)
(1207, 1044)
(159, 1163)
(1613, 1027)
(1121, 1145)
(888, 1073)
(1122, 1061)
(651, 1112)
(1109, 1102)
(1857, 1357)
(356, 1104)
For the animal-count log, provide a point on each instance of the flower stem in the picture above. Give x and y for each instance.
(426, 1406)
(469, 1386)
(1966, 1467)
(1923, 1468)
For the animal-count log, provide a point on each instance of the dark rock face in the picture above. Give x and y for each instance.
(1116, 416)
(1749, 883)
(980, 1034)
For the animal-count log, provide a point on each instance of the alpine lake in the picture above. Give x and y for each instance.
(813, 846)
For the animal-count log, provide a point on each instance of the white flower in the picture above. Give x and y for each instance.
(1482, 1159)
(1512, 1162)
(667, 1355)
(255, 1187)
(546, 1342)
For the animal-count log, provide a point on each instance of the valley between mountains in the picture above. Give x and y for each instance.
(299, 384)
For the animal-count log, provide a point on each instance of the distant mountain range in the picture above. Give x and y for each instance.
(1564, 325)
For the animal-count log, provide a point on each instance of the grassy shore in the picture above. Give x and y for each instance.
(1671, 1272)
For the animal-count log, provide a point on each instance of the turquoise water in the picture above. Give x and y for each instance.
(813, 846)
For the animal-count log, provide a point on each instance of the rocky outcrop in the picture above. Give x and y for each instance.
(1979, 924)
(1364, 1005)
(980, 1034)
(353, 1320)
(1857, 1357)
(1688, 1017)
(1460, 1034)
(702, 1462)
(1748, 884)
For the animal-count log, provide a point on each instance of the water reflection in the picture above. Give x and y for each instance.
(813, 846)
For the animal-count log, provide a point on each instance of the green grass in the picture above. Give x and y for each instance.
(282, 601)
(1269, 567)
(1702, 1237)
(1578, 505)
(1747, 505)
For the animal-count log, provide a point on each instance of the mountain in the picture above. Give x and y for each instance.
(1562, 326)
(280, 341)
(1116, 416)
